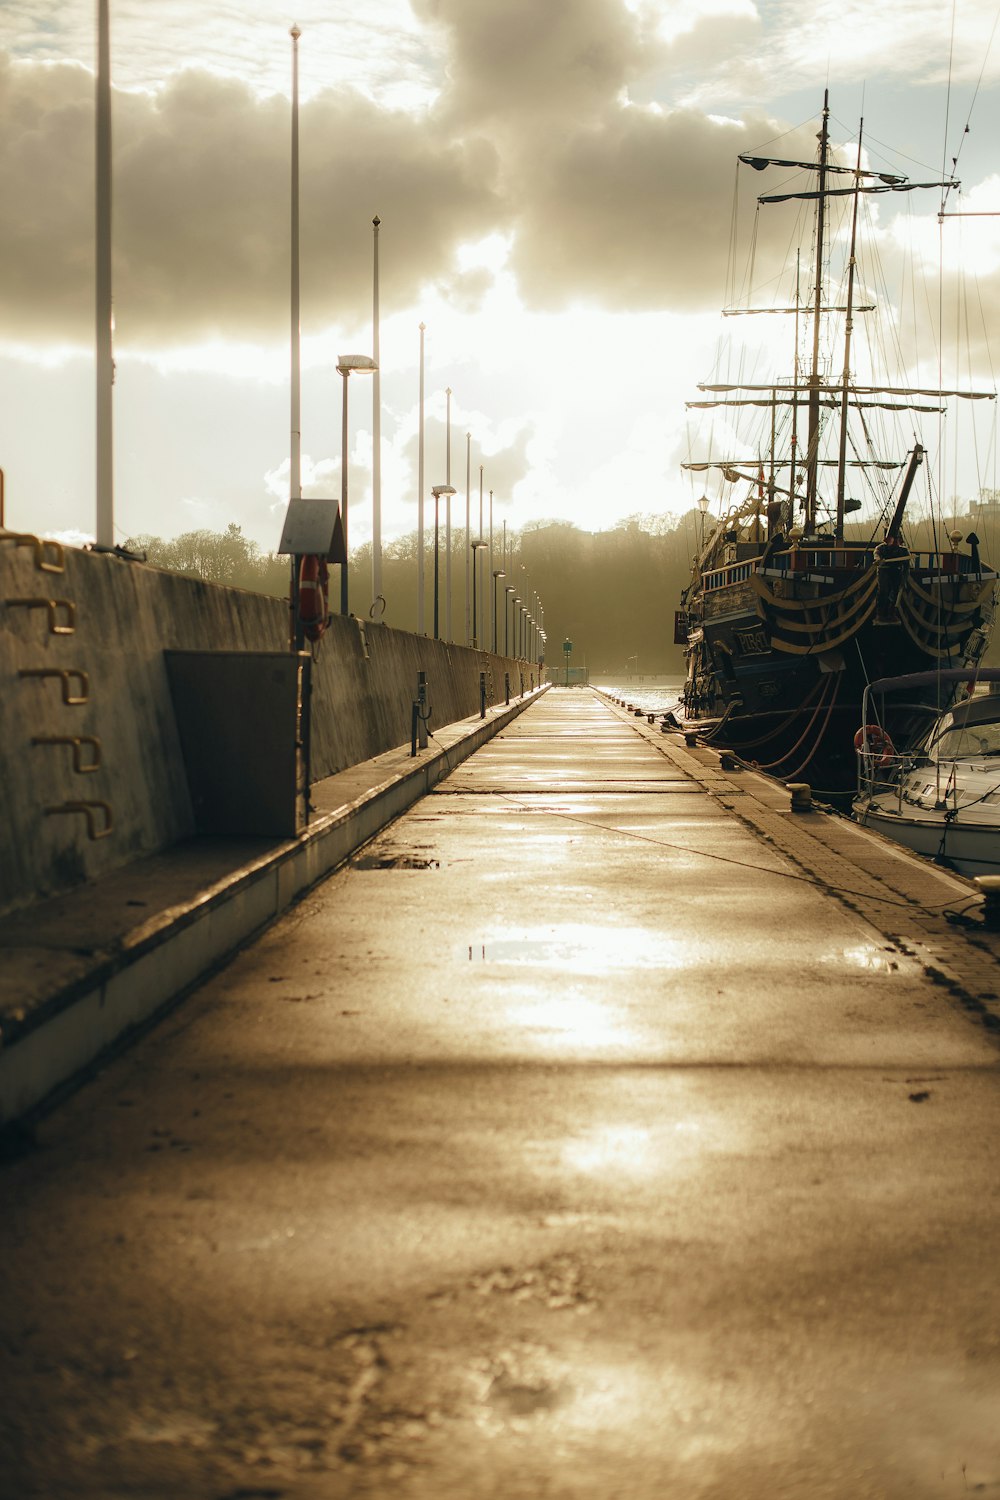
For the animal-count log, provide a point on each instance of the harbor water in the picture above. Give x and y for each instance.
(652, 693)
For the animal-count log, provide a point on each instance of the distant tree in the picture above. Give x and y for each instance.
(226, 557)
(613, 592)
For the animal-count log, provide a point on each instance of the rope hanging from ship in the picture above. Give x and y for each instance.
(831, 691)
(793, 775)
(740, 745)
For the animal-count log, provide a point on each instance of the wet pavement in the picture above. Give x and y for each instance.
(569, 1142)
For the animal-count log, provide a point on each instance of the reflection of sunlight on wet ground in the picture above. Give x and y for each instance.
(605, 1396)
(583, 948)
(864, 956)
(630, 1403)
(574, 1022)
(616, 1148)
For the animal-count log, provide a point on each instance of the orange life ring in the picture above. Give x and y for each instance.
(313, 579)
(873, 740)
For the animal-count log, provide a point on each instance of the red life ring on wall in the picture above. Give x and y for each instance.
(873, 740)
(313, 579)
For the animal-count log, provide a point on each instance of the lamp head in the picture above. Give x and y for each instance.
(355, 364)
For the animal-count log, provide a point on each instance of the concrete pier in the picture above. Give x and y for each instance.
(603, 1128)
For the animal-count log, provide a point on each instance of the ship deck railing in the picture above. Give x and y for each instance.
(802, 563)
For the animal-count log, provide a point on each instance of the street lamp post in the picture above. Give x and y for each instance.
(468, 486)
(491, 535)
(510, 589)
(447, 519)
(703, 503)
(475, 547)
(348, 364)
(479, 626)
(437, 491)
(497, 573)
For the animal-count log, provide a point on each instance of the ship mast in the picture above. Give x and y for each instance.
(813, 443)
(793, 479)
(848, 326)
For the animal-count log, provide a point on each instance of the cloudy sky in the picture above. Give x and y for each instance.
(555, 184)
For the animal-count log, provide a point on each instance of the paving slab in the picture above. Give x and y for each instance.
(577, 1143)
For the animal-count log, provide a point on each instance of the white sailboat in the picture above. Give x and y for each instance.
(942, 797)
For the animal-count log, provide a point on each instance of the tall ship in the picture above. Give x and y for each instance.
(801, 593)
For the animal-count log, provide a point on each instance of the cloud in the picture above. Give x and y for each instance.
(794, 47)
(634, 212)
(555, 127)
(201, 212)
(378, 50)
(517, 63)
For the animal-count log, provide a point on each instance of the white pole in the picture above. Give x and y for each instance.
(468, 540)
(376, 430)
(493, 632)
(481, 622)
(105, 371)
(447, 520)
(295, 465)
(421, 624)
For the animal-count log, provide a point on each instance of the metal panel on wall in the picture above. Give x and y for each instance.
(242, 718)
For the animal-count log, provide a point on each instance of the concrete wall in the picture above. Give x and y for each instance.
(123, 616)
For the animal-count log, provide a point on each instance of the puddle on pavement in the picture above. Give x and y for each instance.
(393, 862)
(582, 948)
(514, 953)
(867, 956)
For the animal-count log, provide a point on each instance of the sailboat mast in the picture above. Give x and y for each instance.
(813, 448)
(848, 326)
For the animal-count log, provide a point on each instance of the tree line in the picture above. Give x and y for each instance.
(611, 593)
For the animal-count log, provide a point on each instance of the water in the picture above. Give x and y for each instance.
(649, 692)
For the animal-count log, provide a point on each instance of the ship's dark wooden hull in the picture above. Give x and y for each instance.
(779, 657)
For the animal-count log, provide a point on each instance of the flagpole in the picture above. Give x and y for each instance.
(295, 468)
(376, 428)
(295, 456)
(421, 628)
(105, 371)
(447, 523)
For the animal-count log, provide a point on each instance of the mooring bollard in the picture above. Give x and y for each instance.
(728, 761)
(482, 695)
(801, 795)
(690, 738)
(423, 713)
(989, 885)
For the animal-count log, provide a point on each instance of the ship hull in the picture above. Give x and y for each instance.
(778, 658)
